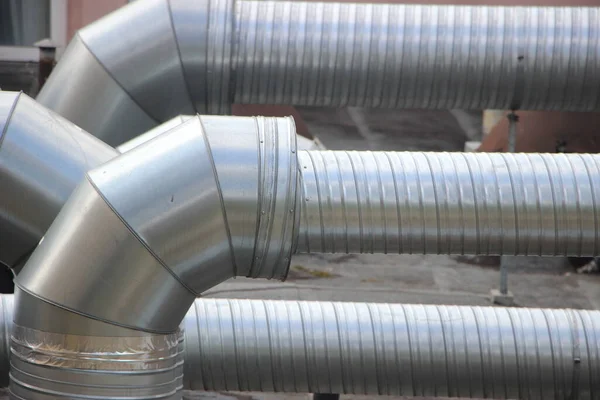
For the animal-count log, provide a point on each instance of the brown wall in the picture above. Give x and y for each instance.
(83, 12)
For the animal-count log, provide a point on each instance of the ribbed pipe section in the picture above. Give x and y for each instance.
(213, 53)
(392, 349)
(416, 56)
(383, 349)
(449, 203)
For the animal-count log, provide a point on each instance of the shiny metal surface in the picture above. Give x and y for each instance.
(167, 193)
(449, 203)
(152, 133)
(255, 161)
(90, 263)
(204, 33)
(6, 323)
(174, 57)
(417, 56)
(277, 227)
(410, 350)
(105, 110)
(137, 47)
(42, 158)
(153, 224)
(47, 365)
(381, 349)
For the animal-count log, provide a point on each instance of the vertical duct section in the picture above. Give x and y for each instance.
(449, 203)
(155, 59)
(138, 240)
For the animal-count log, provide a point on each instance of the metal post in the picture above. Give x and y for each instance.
(504, 297)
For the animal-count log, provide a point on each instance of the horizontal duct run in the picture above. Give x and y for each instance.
(148, 231)
(207, 55)
(382, 349)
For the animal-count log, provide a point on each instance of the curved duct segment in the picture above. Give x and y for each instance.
(176, 215)
(42, 159)
(154, 59)
(381, 349)
(145, 233)
(139, 239)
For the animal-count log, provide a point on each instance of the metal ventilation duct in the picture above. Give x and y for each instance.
(148, 231)
(154, 59)
(410, 350)
(42, 159)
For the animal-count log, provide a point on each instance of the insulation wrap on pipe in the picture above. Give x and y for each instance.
(449, 203)
(211, 54)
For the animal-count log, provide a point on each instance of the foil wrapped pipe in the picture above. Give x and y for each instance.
(382, 349)
(207, 55)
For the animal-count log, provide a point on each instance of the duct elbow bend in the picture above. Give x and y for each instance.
(148, 231)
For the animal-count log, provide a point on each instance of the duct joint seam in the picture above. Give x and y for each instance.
(137, 236)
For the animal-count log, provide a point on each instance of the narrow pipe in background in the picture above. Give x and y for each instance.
(410, 350)
(207, 55)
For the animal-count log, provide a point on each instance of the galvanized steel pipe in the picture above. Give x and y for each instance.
(449, 203)
(148, 231)
(207, 55)
(43, 157)
(393, 349)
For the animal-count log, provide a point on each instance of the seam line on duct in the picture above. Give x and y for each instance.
(259, 123)
(587, 354)
(576, 355)
(578, 205)
(135, 234)
(552, 191)
(78, 35)
(219, 190)
(44, 299)
(555, 378)
(8, 119)
(595, 340)
(186, 80)
(593, 195)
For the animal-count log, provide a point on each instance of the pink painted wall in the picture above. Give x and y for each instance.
(83, 12)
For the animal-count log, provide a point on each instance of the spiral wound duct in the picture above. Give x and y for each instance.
(449, 203)
(411, 350)
(206, 55)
